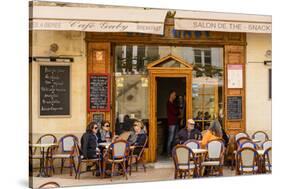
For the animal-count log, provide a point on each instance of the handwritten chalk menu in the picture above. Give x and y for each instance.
(98, 118)
(54, 90)
(234, 107)
(99, 92)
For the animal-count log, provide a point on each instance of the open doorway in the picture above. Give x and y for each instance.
(164, 86)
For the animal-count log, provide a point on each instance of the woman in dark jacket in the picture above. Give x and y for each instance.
(140, 135)
(104, 133)
(89, 141)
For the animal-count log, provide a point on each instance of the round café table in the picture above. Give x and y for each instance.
(43, 147)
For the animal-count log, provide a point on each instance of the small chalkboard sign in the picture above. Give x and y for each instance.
(98, 118)
(99, 92)
(54, 90)
(234, 107)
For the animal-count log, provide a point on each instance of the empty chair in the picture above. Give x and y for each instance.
(182, 156)
(214, 158)
(247, 161)
(261, 136)
(36, 153)
(266, 144)
(192, 144)
(64, 151)
(267, 156)
(50, 185)
(239, 135)
(117, 154)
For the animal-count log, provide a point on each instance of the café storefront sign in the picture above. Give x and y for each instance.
(96, 26)
(206, 25)
(224, 22)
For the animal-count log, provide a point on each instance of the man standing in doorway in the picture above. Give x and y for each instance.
(172, 114)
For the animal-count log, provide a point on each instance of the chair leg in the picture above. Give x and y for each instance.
(130, 166)
(70, 166)
(62, 165)
(137, 164)
(144, 168)
(78, 170)
(176, 173)
(112, 170)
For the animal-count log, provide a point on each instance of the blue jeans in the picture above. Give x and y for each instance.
(171, 137)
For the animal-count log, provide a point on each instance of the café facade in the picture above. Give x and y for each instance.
(91, 62)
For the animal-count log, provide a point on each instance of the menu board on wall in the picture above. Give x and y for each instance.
(234, 107)
(98, 92)
(235, 76)
(54, 90)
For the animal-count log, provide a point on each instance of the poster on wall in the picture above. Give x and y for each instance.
(235, 76)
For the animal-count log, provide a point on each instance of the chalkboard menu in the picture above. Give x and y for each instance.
(234, 107)
(99, 92)
(98, 118)
(54, 90)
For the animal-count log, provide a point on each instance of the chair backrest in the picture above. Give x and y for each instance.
(247, 157)
(239, 135)
(66, 142)
(242, 140)
(47, 139)
(215, 149)
(260, 135)
(182, 155)
(248, 144)
(50, 185)
(192, 144)
(266, 144)
(143, 147)
(119, 149)
(268, 158)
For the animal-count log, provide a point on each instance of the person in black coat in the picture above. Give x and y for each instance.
(89, 141)
(187, 133)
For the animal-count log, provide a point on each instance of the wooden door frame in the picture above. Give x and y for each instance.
(165, 72)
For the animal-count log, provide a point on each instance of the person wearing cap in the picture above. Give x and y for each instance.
(187, 133)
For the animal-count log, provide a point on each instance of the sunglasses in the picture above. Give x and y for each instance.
(106, 125)
(95, 128)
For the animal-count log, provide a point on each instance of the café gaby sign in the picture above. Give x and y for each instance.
(207, 25)
(96, 26)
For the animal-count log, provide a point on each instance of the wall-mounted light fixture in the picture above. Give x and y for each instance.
(267, 62)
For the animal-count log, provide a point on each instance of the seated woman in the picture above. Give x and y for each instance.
(89, 141)
(104, 134)
(213, 132)
(139, 136)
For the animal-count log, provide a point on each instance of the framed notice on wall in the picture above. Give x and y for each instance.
(235, 76)
(54, 90)
(98, 92)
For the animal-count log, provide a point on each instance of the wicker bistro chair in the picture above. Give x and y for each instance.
(192, 144)
(80, 161)
(50, 185)
(267, 157)
(266, 144)
(260, 135)
(241, 138)
(137, 154)
(247, 161)
(64, 151)
(117, 153)
(214, 157)
(36, 154)
(182, 156)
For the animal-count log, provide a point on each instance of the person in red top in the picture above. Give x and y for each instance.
(172, 114)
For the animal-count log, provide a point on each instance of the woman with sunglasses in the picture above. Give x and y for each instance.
(89, 141)
(104, 134)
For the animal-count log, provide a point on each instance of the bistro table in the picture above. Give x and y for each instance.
(199, 155)
(43, 147)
